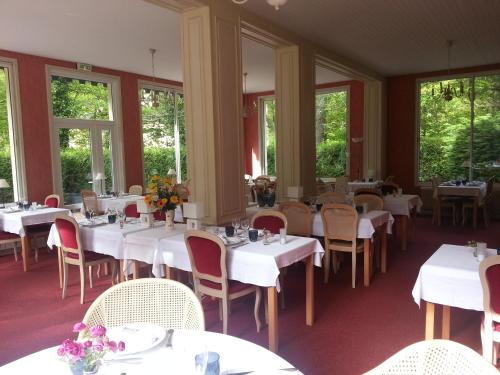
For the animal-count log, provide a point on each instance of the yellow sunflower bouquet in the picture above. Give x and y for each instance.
(162, 193)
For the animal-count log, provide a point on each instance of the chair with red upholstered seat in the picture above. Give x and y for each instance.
(52, 200)
(71, 252)
(489, 272)
(269, 219)
(7, 238)
(207, 254)
(35, 232)
(130, 210)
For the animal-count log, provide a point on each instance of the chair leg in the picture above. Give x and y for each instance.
(224, 314)
(114, 273)
(220, 309)
(282, 291)
(15, 252)
(488, 346)
(326, 263)
(485, 216)
(65, 279)
(258, 297)
(90, 276)
(82, 283)
(353, 269)
(464, 213)
(334, 262)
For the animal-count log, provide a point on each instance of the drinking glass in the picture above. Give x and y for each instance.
(236, 225)
(245, 224)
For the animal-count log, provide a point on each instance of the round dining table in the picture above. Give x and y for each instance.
(237, 357)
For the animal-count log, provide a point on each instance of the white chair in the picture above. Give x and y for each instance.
(166, 303)
(135, 190)
(439, 357)
(489, 272)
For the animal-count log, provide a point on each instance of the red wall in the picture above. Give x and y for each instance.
(401, 123)
(35, 121)
(251, 125)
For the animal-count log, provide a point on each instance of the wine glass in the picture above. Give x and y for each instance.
(245, 224)
(236, 225)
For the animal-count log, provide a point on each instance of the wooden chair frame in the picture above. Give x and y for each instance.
(331, 197)
(13, 241)
(490, 338)
(302, 218)
(269, 213)
(89, 196)
(223, 294)
(375, 202)
(135, 189)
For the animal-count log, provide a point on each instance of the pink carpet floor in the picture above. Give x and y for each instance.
(354, 331)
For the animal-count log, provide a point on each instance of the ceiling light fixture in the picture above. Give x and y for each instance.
(151, 96)
(448, 91)
(274, 3)
(248, 110)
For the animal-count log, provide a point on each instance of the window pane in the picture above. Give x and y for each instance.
(80, 99)
(444, 131)
(158, 120)
(108, 160)
(6, 194)
(270, 136)
(76, 163)
(331, 134)
(486, 147)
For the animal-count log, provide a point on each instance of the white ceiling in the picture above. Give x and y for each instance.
(395, 36)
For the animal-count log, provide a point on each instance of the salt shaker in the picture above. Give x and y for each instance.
(282, 236)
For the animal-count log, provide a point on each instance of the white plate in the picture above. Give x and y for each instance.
(138, 337)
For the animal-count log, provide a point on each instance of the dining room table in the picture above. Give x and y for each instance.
(450, 278)
(110, 203)
(17, 221)
(369, 223)
(352, 186)
(403, 208)
(255, 263)
(236, 356)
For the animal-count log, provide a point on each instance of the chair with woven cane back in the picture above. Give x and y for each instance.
(89, 202)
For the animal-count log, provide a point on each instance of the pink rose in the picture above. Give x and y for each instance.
(61, 351)
(98, 347)
(112, 346)
(97, 331)
(87, 344)
(121, 346)
(79, 327)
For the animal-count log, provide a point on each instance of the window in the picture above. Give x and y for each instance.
(11, 154)
(459, 138)
(86, 134)
(268, 136)
(163, 131)
(331, 133)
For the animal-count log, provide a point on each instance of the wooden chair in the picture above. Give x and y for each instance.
(342, 185)
(442, 202)
(489, 273)
(207, 254)
(269, 219)
(340, 226)
(163, 302)
(389, 188)
(474, 204)
(72, 253)
(389, 179)
(183, 192)
(130, 210)
(366, 191)
(331, 197)
(52, 200)
(7, 238)
(298, 217)
(135, 190)
(375, 203)
(435, 357)
(89, 201)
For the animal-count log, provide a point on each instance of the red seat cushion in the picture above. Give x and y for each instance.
(90, 256)
(493, 277)
(131, 210)
(4, 236)
(271, 223)
(52, 202)
(496, 325)
(234, 286)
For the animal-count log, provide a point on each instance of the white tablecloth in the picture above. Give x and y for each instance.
(14, 222)
(464, 190)
(366, 225)
(402, 205)
(355, 185)
(236, 355)
(451, 277)
(116, 203)
(253, 263)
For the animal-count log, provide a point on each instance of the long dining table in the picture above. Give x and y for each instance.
(368, 224)
(18, 222)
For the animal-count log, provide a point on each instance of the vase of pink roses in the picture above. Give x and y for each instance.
(85, 354)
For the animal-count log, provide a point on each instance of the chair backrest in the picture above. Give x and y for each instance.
(183, 192)
(389, 188)
(489, 186)
(69, 235)
(375, 203)
(331, 197)
(489, 273)
(135, 189)
(435, 357)
(207, 254)
(269, 219)
(389, 179)
(341, 185)
(298, 217)
(340, 221)
(52, 200)
(89, 200)
(130, 210)
(436, 181)
(166, 303)
(366, 191)
(263, 179)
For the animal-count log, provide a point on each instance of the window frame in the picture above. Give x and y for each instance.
(114, 125)
(142, 84)
(328, 90)
(418, 83)
(14, 119)
(262, 133)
